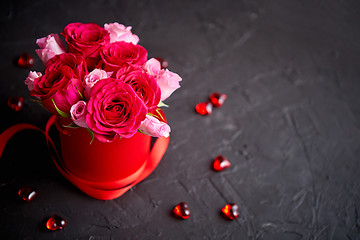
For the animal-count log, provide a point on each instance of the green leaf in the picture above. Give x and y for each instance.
(153, 115)
(81, 96)
(61, 113)
(71, 125)
(158, 112)
(161, 104)
(141, 132)
(91, 134)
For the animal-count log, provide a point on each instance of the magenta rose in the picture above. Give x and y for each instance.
(122, 54)
(61, 85)
(86, 39)
(114, 110)
(143, 84)
(75, 62)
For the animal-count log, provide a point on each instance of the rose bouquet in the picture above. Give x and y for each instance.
(103, 81)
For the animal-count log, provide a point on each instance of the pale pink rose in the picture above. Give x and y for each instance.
(30, 79)
(168, 82)
(50, 46)
(78, 114)
(119, 32)
(93, 77)
(152, 67)
(153, 127)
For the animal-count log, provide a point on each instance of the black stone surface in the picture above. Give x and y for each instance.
(290, 125)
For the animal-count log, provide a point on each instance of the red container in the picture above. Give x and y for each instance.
(102, 170)
(107, 170)
(103, 162)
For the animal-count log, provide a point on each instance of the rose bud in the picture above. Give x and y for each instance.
(30, 79)
(78, 114)
(168, 82)
(92, 78)
(152, 67)
(155, 128)
(50, 46)
(119, 32)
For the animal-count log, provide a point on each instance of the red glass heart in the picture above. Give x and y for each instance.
(204, 108)
(55, 223)
(220, 163)
(27, 193)
(231, 211)
(25, 60)
(164, 64)
(182, 210)
(15, 103)
(217, 99)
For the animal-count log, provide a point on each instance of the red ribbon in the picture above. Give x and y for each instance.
(97, 189)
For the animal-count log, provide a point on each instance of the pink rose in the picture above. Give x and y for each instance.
(152, 67)
(78, 114)
(30, 79)
(86, 39)
(92, 78)
(119, 32)
(153, 127)
(49, 47)
(114, 110)
(143, 84)
(122, 54)
(61, 84)
(168, 82)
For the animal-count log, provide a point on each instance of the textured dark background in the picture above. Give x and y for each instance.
(290, 125)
